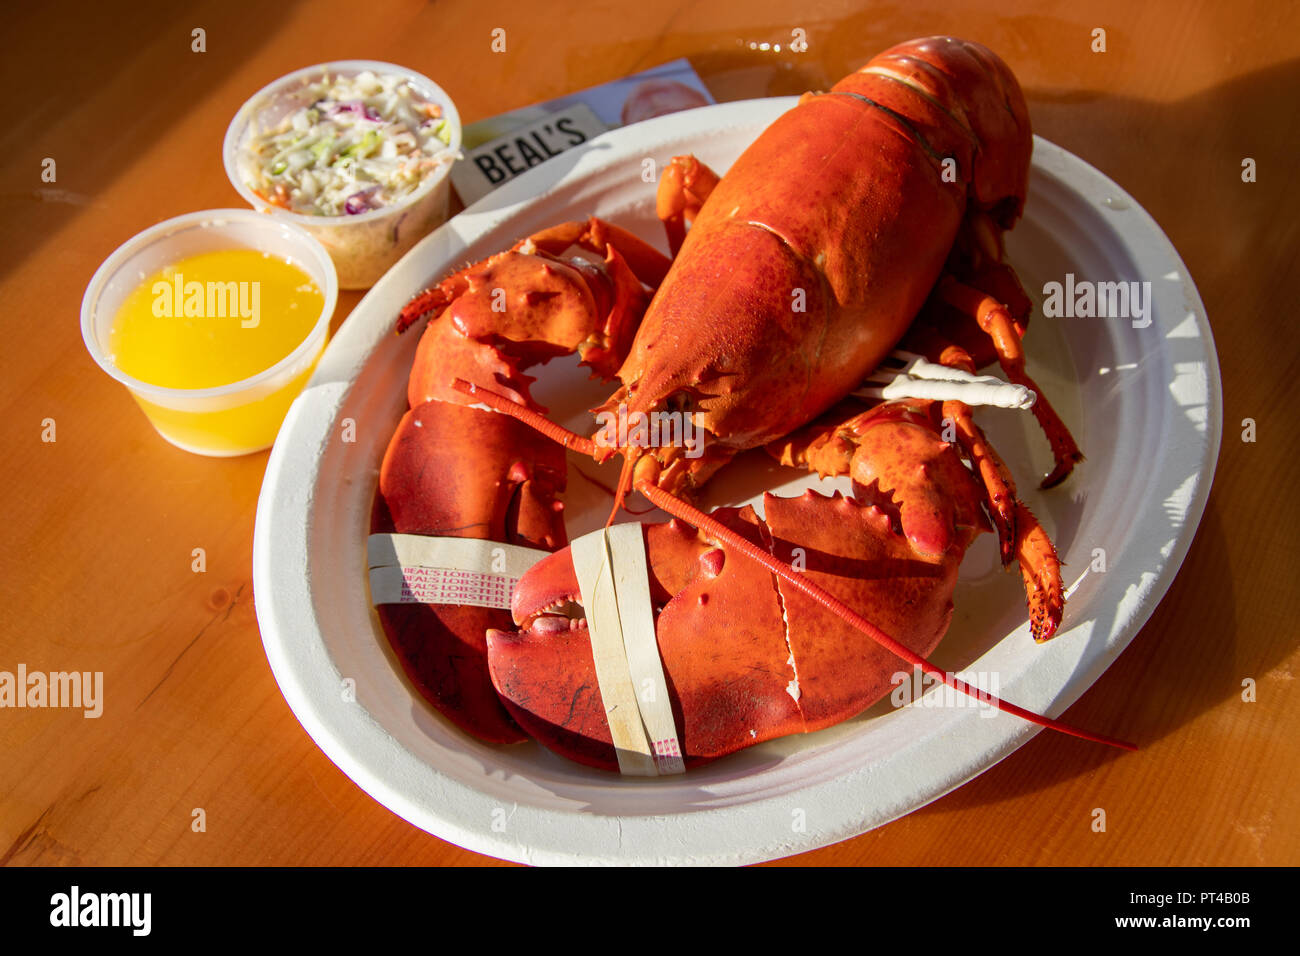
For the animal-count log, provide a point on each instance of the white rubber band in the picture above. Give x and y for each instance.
(427, 569)
(615, 584)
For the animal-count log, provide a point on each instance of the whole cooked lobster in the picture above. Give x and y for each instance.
(864, 217)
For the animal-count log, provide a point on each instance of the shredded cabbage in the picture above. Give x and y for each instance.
(364, 142)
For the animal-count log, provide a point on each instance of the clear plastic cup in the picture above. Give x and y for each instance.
(366, 245)
(222, 421)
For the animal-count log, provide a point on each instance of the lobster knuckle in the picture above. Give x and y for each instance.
(903, 466)
(519, 308)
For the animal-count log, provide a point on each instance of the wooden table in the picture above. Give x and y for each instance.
(100, 524)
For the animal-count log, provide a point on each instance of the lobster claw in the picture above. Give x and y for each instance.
(430, 482)
(899, 463)
(746, 658)
(734, 694)
(452, 470)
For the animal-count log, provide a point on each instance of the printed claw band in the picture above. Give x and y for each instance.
(427, 569)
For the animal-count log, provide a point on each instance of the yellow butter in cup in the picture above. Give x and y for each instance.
(214, 322)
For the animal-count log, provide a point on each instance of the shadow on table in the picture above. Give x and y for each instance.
(1233, 236)
(91, 85)
(1157, 685)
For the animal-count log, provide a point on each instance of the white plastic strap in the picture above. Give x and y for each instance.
(615, 585)
(424, 569)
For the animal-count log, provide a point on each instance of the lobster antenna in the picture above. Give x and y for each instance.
(557, 433)
(624, 485)
(499, 403)
(720, 532)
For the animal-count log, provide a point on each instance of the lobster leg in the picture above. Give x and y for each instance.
(996, 320)
(1029, 543)
(1020, 535)
(683, 189)
(993, 473)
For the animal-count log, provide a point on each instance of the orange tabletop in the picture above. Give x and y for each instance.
(102, 522)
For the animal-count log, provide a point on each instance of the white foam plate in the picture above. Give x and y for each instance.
(1144, 403)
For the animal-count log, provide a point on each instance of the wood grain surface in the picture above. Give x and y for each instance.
(99, 525)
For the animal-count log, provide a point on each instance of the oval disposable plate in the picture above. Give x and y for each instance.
(1137, 389)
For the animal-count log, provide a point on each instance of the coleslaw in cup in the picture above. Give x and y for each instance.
(356, 152)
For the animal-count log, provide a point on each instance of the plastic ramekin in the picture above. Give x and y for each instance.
(226, 420)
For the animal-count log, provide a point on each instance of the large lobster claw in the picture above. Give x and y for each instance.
(452, 470)
(746, 658)
(432, 482)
